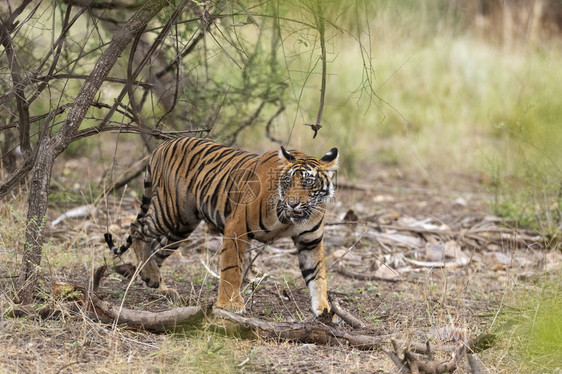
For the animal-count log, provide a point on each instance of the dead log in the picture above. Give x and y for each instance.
(169, 320)
(219, 320)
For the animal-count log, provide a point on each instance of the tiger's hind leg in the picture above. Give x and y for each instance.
(161, 250)
(151, 255)
(149, 263)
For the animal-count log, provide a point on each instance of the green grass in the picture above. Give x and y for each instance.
(203, 352)
(531, 329)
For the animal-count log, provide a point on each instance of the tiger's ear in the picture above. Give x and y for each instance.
(285, 155)
(330, 159)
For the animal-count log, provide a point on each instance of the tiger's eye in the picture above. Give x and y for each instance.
(309, 181)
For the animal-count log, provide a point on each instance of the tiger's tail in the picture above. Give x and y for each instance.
(118, 250)
(146, 198)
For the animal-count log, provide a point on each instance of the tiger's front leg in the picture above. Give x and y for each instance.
(232, 255)
(313, 269)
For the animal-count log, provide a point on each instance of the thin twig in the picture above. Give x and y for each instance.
(212, 273)
(348, 250)
(321, 27)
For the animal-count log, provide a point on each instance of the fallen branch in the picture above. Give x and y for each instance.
(347, 317)
(179, 319)
(233, 324)
(220, 320)
(169, 320)
(304, 332)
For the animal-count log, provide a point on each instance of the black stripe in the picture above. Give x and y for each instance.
(219, 221)
(217, 191)
(262, 226)
(162, 215)
(269, 158)
(227, 208)
(230, 267)
(307, 246)
(179, 211)
(245, 158)
(248, 230)
(316, 227)
(226, 151)
(309, 280)
(163, 255)
(306, 272)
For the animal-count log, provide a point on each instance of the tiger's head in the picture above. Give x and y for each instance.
(305, 185)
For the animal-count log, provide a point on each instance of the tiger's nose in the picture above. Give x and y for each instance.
(293, 204)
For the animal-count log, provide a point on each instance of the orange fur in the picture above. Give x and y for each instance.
(242, 195)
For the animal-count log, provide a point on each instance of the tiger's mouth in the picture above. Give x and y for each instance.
(294, 214)
(298, 215)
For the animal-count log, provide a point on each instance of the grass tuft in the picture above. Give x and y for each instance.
(531, 329)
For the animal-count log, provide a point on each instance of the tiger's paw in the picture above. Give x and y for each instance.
(327, 316)
(235, 305)
(152, 282)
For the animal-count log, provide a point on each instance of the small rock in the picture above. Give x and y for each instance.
(460, 201)
(350, 216)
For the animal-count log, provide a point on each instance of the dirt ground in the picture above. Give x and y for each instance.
(448, 264)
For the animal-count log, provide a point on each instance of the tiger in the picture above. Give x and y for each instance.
(242, 195)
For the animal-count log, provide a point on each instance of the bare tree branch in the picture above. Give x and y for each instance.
(106, 5)
(17, 73)
(321, 27)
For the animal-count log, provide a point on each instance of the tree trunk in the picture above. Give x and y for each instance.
(50, 148)
(36, 218)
